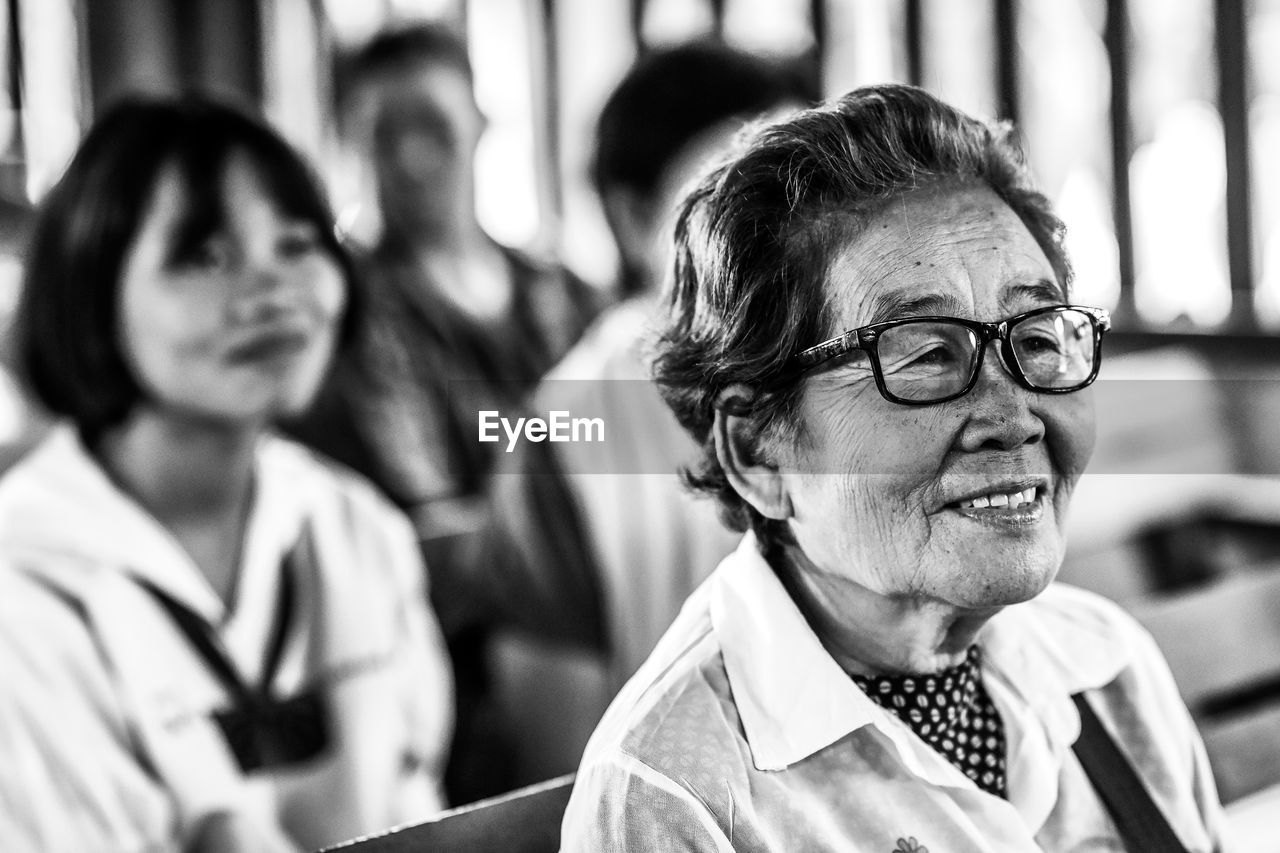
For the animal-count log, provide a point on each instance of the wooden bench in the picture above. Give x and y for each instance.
(526, 820)
(1222, 642)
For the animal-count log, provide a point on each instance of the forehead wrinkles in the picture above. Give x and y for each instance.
(964, 244)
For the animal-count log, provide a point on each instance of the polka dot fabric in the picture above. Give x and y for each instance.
(951, 711)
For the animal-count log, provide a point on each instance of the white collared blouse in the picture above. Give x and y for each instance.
(742, 733)
(107, 742)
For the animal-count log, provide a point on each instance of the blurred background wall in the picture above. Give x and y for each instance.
(1148, 121)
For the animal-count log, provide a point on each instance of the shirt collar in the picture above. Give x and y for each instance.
(1064, 641)
(794, 699)
(792, 696)
(58, 499)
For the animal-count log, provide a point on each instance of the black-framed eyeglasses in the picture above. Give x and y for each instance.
(919, 361)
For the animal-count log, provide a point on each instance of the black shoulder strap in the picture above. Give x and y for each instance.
(1142, 826)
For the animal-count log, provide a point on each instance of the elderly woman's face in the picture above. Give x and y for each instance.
(881, 493)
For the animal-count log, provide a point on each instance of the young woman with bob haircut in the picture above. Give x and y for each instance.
(212, 638)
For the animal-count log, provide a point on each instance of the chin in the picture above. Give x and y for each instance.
(294, 397)
(263, 410)
(1001, 587)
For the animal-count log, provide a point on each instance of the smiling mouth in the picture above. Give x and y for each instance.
(1004, 509)
(269, 347)
(999, 500)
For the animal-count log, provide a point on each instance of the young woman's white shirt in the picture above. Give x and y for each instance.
(106, 734)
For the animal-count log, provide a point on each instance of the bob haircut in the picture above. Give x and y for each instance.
(67, 335)
(754, 240)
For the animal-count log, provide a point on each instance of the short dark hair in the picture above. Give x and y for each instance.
(66, 334)
(672, 95)
(399, 49)
(755, 237)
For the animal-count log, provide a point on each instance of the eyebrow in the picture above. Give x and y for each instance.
(896, 306)
(1043, 289)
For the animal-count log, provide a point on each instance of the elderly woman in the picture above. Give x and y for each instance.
(872, 338)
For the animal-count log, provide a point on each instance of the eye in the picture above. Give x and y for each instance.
(1040, 343)
(936, 355)
(926, 348)
(298, 241)
(212, 254)
(1044, 337)
(926, 357)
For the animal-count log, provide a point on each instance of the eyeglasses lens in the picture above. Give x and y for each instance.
(932, 360)
(927, 360)
(1054, 350)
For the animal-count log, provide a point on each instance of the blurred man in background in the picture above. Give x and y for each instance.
(458, 324)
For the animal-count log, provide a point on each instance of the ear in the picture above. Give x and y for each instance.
(749, 469)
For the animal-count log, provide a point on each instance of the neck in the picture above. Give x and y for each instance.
(870, 633)
(196, 478)
(178, 466)
(186, 471)
(475, 278)
(455, 232)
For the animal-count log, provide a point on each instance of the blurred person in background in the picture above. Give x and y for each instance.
(457, 324)
(629, 527)
(210, 638)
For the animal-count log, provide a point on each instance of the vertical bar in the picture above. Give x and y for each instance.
(13, 160)
(228, 42)
(717, 18)
(1116, 40)
(295, 84)
(1006, 26)
(818, 20)
(915, 42)
(187, 32)
(130, 45)
(637, 25)
(13, 36)
(549, 104)
(1233, 103)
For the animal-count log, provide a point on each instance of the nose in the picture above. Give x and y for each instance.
(1002, 414)
(418, 156)
(265, 293)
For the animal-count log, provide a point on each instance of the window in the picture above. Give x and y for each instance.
(1135, 115)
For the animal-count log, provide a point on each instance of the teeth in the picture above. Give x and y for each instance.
(1013, 499)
